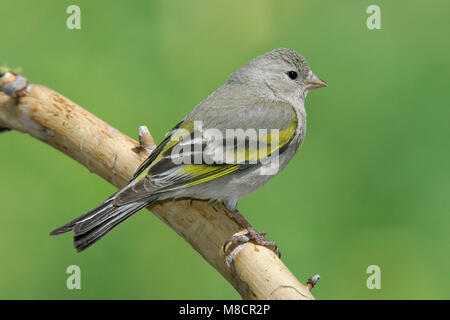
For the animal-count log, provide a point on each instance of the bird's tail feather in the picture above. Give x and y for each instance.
(93, 225)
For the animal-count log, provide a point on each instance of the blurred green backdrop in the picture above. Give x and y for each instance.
(369, 186)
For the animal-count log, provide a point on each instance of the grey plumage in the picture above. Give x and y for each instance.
(93, 225)
(267, 93)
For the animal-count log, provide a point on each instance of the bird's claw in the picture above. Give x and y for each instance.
(251, 236)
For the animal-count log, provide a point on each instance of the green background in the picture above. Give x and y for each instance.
(370, 185)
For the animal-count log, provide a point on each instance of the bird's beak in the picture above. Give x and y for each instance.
(313, 82)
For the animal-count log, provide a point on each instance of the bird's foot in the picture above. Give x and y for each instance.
(251, 236)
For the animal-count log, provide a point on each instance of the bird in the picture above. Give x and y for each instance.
(233, 142)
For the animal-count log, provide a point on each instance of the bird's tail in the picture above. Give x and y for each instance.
(93, 225)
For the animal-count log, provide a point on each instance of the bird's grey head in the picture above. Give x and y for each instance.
(283, 73)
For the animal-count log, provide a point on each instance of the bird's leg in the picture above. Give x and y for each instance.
(250, 236)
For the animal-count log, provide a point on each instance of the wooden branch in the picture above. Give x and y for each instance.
(254, 271)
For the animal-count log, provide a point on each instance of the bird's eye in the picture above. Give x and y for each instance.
(292, 75)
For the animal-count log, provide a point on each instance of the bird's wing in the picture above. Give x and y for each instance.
(183, 159)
